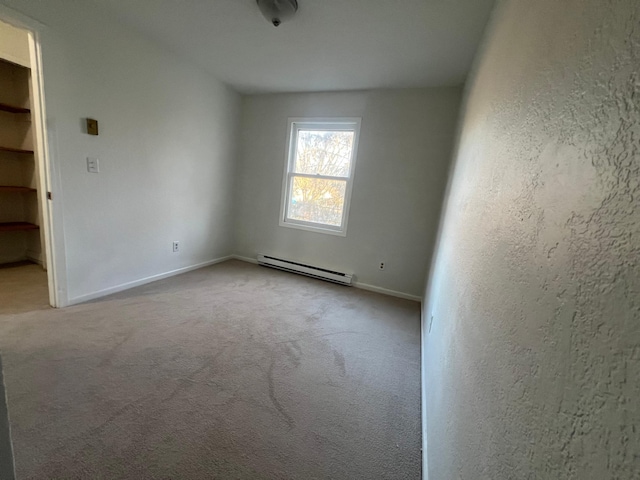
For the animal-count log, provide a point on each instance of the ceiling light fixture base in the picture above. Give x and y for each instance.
(277, 11)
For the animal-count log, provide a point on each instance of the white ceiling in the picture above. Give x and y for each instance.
(328, 45)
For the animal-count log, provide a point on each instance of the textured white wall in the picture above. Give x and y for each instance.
(403, 155)
(533, 360)
(167, 143)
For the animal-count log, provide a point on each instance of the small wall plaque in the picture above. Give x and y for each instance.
(92, 126)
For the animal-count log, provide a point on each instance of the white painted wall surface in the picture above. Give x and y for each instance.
(533, 360)
(404, 151)
(166, 148)
(14, 45)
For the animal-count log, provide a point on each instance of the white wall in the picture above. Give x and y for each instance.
(403, 156)
(166, 148)
(533, 360)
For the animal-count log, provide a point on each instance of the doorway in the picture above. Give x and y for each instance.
(27, 280)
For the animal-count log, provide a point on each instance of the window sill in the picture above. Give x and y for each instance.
(308, 228)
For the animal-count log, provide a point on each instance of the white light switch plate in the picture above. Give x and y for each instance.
(93, 165)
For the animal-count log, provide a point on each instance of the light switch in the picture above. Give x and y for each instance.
(93, 165)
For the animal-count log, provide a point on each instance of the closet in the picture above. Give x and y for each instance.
(20, 219)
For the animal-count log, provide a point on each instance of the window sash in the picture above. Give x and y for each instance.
(294, 144)
(326, 125)
(317, 176)
(319, 225)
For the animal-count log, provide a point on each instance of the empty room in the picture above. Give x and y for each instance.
(319, 239)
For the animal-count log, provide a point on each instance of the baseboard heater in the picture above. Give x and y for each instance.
(308, 270)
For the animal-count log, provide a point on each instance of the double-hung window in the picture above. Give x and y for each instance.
(319, 174)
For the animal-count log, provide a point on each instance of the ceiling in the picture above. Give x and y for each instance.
(328, 45)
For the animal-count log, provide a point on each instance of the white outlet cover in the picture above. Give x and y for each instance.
(93, 165)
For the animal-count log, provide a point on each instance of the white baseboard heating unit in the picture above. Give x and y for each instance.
(308, 270)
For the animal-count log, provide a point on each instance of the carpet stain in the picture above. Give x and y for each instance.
(185, 383)
(274, 400)
(312, 337)
(293, 352)
(318, 315)
(111, 354)
(338, 359)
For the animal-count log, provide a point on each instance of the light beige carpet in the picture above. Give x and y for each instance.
(232, 371)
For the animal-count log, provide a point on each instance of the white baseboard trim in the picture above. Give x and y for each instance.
(144, 281)
(363, 286)
(386, 291)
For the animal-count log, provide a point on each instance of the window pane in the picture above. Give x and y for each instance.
(324, 152)
(316, 200)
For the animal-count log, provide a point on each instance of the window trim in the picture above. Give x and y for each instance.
(347, 124)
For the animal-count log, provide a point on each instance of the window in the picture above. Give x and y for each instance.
(319, 174)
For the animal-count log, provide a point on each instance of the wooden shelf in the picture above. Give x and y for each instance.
(7, 188)
(17, 226)
(13, 109)
(15, 150)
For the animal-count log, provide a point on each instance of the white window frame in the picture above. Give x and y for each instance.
(342, 124)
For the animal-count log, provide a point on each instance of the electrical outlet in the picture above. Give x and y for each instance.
(381, 266)
(176, 247)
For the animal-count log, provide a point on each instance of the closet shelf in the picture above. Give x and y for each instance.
(13, 109)
(7, 188)
(14, 150)
(17, 226)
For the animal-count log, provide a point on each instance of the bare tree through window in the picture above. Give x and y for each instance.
(326, 154)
